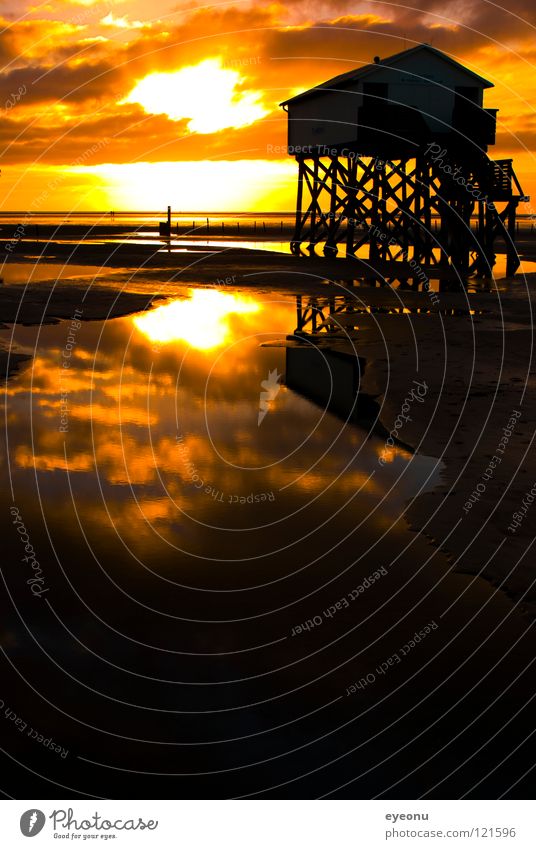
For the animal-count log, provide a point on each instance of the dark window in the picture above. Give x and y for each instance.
(467, 92)
(468, 117)
(374, 91)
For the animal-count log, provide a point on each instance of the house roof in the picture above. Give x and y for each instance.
(390, 62)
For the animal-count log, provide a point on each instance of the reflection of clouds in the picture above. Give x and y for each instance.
(126, 517)
(105, 414)
(131, 388)
(124, 462)
(51, 461)
(388, 454)
(113, 415)
(126, 411)
(47, 375)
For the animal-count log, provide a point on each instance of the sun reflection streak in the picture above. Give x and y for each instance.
(202, 320)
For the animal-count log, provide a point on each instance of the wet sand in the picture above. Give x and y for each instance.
(479, 405)
(477, 368)
(49, 302)
(177, 689)
(194, 261)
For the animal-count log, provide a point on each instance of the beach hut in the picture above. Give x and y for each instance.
(392, 105)
(393, 164)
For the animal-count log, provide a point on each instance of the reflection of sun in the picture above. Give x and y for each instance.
(207, 94)
(202, 320)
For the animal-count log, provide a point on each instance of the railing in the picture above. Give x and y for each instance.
(502, 176)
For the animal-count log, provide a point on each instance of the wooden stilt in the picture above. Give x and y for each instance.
(409, 211)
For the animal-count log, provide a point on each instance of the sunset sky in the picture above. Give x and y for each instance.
(133, 105)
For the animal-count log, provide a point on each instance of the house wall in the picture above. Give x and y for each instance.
(325, 119)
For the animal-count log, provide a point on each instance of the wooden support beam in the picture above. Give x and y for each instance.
(388, 211)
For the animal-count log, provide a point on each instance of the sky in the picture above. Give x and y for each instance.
(127, 104)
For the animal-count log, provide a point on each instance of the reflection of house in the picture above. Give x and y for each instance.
(416, 96)
(332, 380)
(329, 378)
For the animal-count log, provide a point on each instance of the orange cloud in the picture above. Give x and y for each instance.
(79, 69)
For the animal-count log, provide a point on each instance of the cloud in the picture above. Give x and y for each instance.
(27, 40)
(80, 73)
(206, 94)
(123, 22)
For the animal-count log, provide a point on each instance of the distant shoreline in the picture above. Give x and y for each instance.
(157, 213)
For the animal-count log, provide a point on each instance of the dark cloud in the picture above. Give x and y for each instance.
(274, 47)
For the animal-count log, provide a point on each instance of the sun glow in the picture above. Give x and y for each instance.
(208, 94)
(194, 185)
(202, 320)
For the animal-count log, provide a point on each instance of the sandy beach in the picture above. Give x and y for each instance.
(267, 296)
(479, 417)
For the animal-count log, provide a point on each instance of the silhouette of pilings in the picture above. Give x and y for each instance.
(412, 209)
